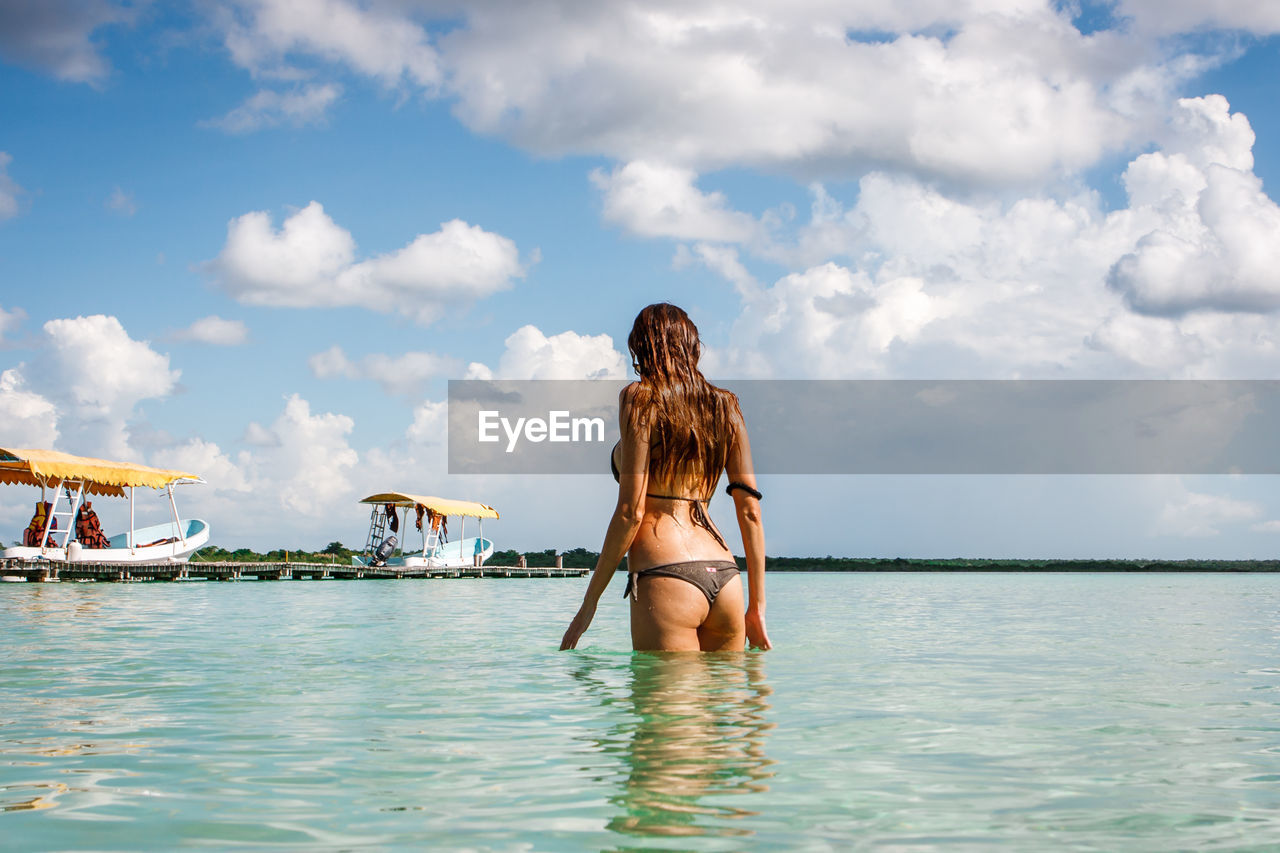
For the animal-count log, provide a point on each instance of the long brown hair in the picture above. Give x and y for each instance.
(690, 420)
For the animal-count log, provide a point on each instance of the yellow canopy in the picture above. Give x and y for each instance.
(444, 506)
(100, 476)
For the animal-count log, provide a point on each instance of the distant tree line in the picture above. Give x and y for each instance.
(582, 558)
(334, 552)
(575, 558)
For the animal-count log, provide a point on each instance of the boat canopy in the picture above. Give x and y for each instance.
(444, 506)
(100, 476)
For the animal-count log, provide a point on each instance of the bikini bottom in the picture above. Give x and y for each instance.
(710, 576)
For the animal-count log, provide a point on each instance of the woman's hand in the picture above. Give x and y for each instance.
(578, 627)
(757, 636)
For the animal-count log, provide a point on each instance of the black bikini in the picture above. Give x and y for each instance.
(710, 576)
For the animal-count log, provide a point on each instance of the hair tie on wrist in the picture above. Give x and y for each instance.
(755, 493)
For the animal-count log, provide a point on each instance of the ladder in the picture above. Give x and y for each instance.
(68, 515)
(377, 529)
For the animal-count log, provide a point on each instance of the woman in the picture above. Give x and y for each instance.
(678, 433)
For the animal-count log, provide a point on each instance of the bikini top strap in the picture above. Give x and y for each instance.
(675, 498)
(700, 518)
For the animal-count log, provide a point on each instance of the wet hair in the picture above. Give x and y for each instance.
(690, 421)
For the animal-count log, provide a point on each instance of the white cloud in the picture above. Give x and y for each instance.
(1207, 133)
(1272, 526)
(91, 375)
(981, 92)
(121, 202)
(476, 370)
(263, 266)
(205, 459)
(55, 36)
(269, 108)
(307, 464)
(311, 262)
(256, 435)
(299, 468)
(928, 283)
(96, 374)
(656, 200)
(375, 39)
(11, 320)
(722, 260)
(1175, 16)
(828, 321)
(215, 331)
(1215, 243)
(1153, 342)
(29, 419)
(101, 368)
(530, 354)
(9, 189)
(1195, 514)
(985, 92)
(430, 424)
(332, 362)
(402, 374)
(1038, 286)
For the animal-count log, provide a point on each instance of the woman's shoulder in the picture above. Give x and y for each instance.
(632, 405)
(628, 396)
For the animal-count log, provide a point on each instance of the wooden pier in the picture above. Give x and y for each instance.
(48, 571)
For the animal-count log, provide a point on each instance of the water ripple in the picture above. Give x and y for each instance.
(899, 712)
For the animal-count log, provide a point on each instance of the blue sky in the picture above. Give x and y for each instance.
(255, 238)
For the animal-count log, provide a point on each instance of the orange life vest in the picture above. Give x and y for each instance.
(89, 528)
(31, 538)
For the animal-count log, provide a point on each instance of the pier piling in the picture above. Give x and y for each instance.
(52, 572)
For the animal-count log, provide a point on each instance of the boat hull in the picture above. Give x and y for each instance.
(149, 546)
(450, 555)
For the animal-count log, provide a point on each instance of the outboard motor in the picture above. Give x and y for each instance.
(383, 552)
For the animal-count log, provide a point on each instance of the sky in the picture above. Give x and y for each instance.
(254, 239)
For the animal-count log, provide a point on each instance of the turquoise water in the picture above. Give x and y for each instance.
(898, 712)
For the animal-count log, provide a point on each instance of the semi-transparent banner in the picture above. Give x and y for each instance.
(898, 426)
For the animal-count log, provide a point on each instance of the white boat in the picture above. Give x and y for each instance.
(72, 479)
(389, 527)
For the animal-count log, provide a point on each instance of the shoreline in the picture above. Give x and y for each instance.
(43, 571)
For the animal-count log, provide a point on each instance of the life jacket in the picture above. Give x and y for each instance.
(31, 538)
(89, 528)
(439, 524)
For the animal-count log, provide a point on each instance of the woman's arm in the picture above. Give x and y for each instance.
(627, 515)
(751, 524)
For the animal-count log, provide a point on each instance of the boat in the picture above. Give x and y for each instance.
(72, 479)
(389, 526)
